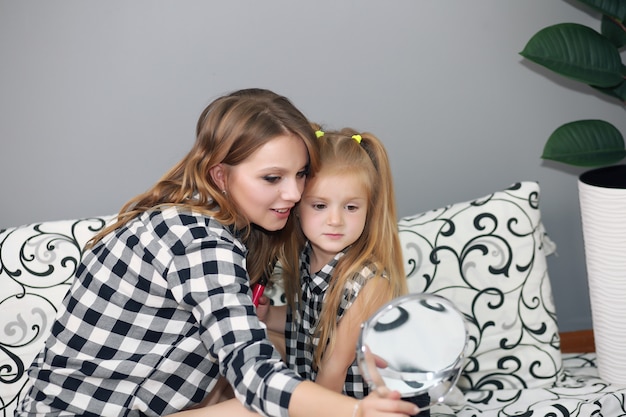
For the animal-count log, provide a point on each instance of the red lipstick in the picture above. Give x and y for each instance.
(257, 291)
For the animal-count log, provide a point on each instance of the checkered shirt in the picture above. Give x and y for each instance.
(301, 324)
(158, 310)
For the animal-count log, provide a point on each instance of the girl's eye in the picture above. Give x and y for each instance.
(351, 207)
(319, 206)
(272, 179)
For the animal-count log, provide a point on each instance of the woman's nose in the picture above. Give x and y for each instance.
(292, 190)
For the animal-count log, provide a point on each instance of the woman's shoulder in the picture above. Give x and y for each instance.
(179, 226)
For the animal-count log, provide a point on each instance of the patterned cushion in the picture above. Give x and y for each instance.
(37, 265)
(488, 256)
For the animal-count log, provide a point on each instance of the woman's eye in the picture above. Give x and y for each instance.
(271, 178)
(303, 174)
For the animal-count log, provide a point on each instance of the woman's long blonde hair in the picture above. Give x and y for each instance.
(378, 245)
(228, 131)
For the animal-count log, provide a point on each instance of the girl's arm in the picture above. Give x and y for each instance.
(274, 318)
(334, 367)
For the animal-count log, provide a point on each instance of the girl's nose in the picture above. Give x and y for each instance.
(334, 217)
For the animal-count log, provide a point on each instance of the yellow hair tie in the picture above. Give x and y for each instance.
(357, 138)
(319, 133)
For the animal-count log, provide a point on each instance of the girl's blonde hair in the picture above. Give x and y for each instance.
(348, 152)
(228, 131)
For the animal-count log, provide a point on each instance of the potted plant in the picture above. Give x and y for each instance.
(582, 54)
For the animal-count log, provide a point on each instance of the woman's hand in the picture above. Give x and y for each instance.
(312, 400)
(381, 399)
(384, 402)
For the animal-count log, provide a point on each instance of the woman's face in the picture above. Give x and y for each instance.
(268, 184)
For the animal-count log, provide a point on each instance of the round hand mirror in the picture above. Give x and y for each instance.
(415, 345)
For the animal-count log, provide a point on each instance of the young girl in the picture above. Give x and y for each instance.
(350, 261)
(161, 304)
(345, 261)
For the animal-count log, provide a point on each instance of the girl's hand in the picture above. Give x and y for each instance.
(263, 309)
(274, 319)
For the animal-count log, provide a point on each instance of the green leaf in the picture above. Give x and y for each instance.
(577, 52)
(613, 31)
(614, 8)
(618, 92)
(586, 143)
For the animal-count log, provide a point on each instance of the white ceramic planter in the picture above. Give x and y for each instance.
(603, 213)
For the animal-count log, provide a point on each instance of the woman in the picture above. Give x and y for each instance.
(161, 304)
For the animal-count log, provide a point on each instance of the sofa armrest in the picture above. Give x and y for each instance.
(580, 341)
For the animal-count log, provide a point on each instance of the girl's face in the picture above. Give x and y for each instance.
(268, 184)
(332, 214)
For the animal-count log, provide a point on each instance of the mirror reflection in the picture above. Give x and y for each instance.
(416, 345)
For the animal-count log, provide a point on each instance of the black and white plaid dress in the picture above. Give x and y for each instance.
(158, 310)
(300, 327)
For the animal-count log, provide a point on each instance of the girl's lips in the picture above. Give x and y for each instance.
(333, 235)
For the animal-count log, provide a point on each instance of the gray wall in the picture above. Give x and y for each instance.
(99, 99)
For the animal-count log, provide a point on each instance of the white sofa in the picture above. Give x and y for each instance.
(487, 255)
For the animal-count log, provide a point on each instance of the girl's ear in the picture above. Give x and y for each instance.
(218, 174)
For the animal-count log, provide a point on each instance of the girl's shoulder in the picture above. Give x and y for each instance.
(368, 270)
